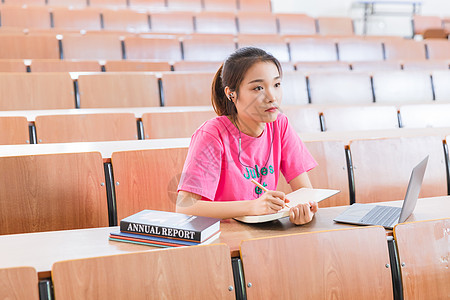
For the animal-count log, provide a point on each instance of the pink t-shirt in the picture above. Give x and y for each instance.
(217, 170)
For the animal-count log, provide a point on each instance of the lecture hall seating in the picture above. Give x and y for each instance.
(295, 90)
(116, 4)
(86, 128)
(255, 5)
(19, 283)
(425, 115)
(172, 22)
(382, 167)
(302, 118)
(204, 47)
(296, 24)
(35, 17)
(357, 49)
(147, 4)
(184, 5)
(14, 130)
(404, 49)
(21, 46)
(165, 48)
(136, 66)
(67, 65)
(273, 44)
(139, 182)
(335, 26)
(89, 47)
(44, 91)
(373, 66)
(215, 23)
(12, 65)
(220, 5)
(441, 86)
(438, 49)
(45, 192)
(327, 66)
(313, 49)
(347, 263)
(76, 19)
(126, 20)
(423, 249)
(158, 274)
(421, 23)
(123, 89)
(256, 23)
(429, 65)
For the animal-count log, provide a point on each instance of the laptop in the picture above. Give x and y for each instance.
(387, 216)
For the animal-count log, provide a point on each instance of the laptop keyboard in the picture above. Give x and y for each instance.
(382, 215)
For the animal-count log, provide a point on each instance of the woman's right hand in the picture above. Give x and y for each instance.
(270, 202)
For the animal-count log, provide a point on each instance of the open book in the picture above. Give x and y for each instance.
(303, 195)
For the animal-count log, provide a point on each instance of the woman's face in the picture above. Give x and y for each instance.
(259, 95)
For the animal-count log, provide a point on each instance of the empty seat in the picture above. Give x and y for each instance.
(120, 4)
(404, 49)
(147, 4)
(438, 49)
(428, 65)
(56, 65)
(340, 88)
(172, 22)
(186, 5)
(136, 66)
(295, 90)
(313, 49)
(382, 167)
(373, 66)
(35, 17)
(360, 118)
(160, 48)
(422, 23)
(257, 23)
(402, 87)
(12, 65)
(118, 90)
(187, 88)
(425, 115)
(441, 86)
(255, 5)
(19, 283)
(302, 118)
(43, 91)
(69, 3)
(348, 262)
(326, 66)
(148, 274)
(86, 128)
(215, 22)
(179, 124)
(219, 5)
(422, 250)
(273, 44)
(76, 19)
(29, 46)
(360, 50)
(14, 130)
(208, 47)
(25, 2)
(52, 192)
(296, 24)
(202, 66)
(148, 179)
(126, 20)
(335, 26)
(91, 47)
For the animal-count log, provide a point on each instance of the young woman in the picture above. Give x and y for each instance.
(249, 139)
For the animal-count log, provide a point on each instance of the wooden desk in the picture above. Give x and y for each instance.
(41, 250)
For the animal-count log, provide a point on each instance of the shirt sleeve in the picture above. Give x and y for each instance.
(202, 168)
(295, 157)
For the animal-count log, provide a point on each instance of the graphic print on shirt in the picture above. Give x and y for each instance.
(258, 172)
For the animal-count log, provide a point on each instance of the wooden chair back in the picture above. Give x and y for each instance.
(180, 124)
(425, 115)
(34, 17)
(172, 22)
(422, 23)
(325, 66)
(373, 66)
(158, 48)
(274, 44)
(147, 179)
(296, 24)
(257, 23)
(14, 130)
(313, 49)
(392, 87)
(19, 283)
(76, 19)
(52, 192)
(126, 20)
(295, 90)
(302, 118)
(427, 65)
(438, 49)
(357, 49)
(382, 167)
(136, 66)
(92, 47)
(441, 86)
(423, 249)
(216, 22)
(12, 65)
(208, 47)
(345, 263)
(340, 88)
(185, 5)
(118, 90)
(43, 91)
(57, 65)
(158, 274)
(147, 4)
(404, 49)
(255, 5)
(360, 118)
(220, 5)
(22, 46)
(197, 66)
(117, 4)
(86, 128)
(187, 88)
(335, 26)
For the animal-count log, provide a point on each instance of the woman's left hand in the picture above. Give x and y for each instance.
(303, 213)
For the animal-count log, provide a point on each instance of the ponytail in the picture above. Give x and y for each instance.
(220, 102)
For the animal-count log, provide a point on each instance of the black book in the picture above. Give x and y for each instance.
(170, 225)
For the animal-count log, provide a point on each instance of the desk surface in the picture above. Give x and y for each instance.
(41, 250)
